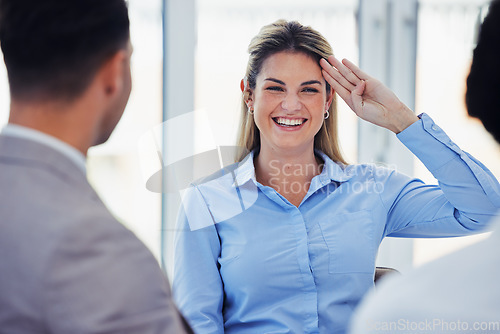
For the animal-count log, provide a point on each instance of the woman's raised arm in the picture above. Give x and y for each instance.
(366, 96)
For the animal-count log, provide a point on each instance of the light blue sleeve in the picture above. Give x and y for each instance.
(464, 201)
(197, 286)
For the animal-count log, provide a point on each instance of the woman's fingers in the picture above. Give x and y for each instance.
(357, 98)
(346, 72)
(344, 93)
(336, 75)
(355, 70)
(347, 80)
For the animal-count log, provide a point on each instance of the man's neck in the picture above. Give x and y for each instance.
(59, 120)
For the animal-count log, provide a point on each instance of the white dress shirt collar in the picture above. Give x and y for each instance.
(67, 150)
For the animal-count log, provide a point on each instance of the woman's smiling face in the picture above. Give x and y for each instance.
(289, 101)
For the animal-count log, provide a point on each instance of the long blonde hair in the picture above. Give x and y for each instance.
(277, 37)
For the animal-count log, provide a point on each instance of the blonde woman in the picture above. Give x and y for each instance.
(285, 240)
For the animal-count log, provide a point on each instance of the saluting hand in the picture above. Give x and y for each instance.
(366, 96)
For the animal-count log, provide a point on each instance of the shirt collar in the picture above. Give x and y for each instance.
(68, 151)
(331, 171)
(334, 171)
(245, 170)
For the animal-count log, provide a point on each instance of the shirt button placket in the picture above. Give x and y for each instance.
(309, 288)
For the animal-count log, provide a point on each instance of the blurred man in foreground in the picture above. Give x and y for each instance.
(66, 265)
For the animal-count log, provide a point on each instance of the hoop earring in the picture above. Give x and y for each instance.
(250, 111)
(327, 114)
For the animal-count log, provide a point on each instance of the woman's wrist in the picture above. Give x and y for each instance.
(406, 118)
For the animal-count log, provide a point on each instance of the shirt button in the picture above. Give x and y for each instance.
(435, 127)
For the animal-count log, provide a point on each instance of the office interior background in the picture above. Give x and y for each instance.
(189, 58)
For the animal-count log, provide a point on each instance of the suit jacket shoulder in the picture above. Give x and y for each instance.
(71, 267)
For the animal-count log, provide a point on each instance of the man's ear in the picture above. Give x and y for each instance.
(111, 74)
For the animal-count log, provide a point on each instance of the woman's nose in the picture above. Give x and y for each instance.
(291, 102)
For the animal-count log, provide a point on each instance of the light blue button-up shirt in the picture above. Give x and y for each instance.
(248, 261)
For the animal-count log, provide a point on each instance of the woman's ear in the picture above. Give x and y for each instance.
(329, 96)
(247, 93)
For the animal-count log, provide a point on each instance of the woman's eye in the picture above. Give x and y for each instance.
(310, 90)
(275, 88)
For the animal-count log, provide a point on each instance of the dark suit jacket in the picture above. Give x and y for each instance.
(66, 265)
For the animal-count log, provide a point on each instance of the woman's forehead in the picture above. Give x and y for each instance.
(291, 65)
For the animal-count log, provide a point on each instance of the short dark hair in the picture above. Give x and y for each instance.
(53, 48)
(483, 82)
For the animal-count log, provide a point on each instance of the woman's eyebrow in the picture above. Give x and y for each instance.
(310, 82)
(275, 80)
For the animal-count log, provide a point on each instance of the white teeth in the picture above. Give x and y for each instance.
(289, 122)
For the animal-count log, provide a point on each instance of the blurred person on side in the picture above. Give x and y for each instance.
(67, 265)
(459, 292)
